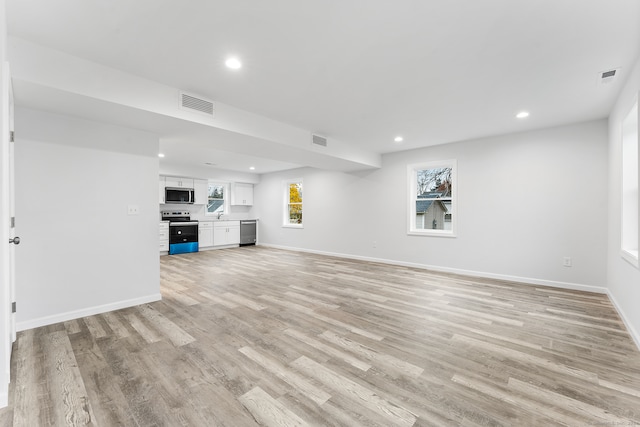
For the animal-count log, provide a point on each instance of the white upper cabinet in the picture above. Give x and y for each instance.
(173, 181)
(241, 194)
(200, 191)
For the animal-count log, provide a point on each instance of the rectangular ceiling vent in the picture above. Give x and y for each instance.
(318, 140)
(606, 77)
(194, 103)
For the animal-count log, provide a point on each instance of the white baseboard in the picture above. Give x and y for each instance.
(90, 311)
(517, 279)
(632, 331)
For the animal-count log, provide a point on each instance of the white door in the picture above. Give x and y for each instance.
(12, 211)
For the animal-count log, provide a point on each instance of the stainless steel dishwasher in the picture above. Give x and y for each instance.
(248, 232)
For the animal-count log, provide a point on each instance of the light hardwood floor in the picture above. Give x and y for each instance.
(257, 336)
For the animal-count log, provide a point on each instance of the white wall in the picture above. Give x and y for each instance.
(623, 279)
(80, 252)
(525, 201)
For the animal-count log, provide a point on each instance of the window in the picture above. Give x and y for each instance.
(432, 202)
(293, 203)
(216, 204)
(630, 186)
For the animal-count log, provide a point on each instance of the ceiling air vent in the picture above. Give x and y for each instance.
(608, 76)
(193, 103)
(318, 140)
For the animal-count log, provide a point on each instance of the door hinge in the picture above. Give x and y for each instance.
(12, 135)
(13, 307)
(13, 222)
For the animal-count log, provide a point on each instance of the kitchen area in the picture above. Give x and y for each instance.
(199, 214)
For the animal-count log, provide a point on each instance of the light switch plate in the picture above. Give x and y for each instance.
(133, 210)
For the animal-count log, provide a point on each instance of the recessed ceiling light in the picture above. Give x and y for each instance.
(398, 139)
(522, 114)
(252, 168)
(160, 155)
(233, 63)
(209, 163)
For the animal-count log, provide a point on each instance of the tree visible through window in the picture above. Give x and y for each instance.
(432, 203)
(294, 203)
(215, 200)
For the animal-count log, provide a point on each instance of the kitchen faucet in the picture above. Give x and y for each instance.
(219, 215)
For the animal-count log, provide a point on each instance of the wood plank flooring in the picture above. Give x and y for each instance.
(257, 336)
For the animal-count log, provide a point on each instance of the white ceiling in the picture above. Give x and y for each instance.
(358, 71)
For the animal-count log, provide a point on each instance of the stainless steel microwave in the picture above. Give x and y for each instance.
(178, 195)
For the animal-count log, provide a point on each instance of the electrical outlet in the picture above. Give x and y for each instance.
(133, 210)
(566, 261)
(375, 244)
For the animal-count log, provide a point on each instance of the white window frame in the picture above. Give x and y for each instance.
(412, 178)
(630, 235)
(285, 208)
(226, 199)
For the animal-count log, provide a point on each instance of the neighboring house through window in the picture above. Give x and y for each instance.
(293, 203)
(216, 198)
(432, 190)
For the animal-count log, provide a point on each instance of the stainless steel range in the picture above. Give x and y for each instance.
(183, 232)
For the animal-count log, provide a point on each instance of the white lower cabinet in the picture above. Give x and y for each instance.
(234, 234)
(226, 233)
(164, 237)
(205, 234)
